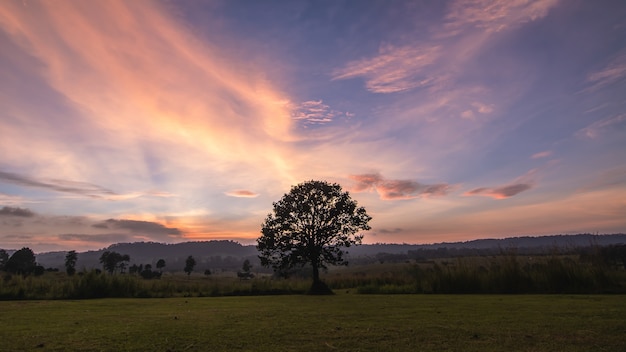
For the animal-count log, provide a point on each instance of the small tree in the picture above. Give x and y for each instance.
(70, 262)
(245, 273)
(190, 263)
(310, 225)
(160, 265)
(21, 262)
(111, 261)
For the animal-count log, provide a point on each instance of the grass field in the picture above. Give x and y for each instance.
(344, 322)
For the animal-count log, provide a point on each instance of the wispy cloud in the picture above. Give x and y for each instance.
(596, 128)
(75, 187)
(495, 15)
(613, 72)
(242, 193)
(97, 238)
(434, 62)
(394, 69)
(519, 185)
(397, 189)
(315, 112)
(543, 154)
(136, 226)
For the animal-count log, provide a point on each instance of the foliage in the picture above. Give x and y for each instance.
(4, 258)
(160, 264)
(190, 263)
(111, 261)
(245, 273)
(311, 225)
(70, 262)
(22, 262)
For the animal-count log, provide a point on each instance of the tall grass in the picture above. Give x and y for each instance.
(506, 273)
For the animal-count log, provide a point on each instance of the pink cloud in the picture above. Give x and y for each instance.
(517, 186)
(613, 72)
(397, 189)
(316, 112)
(593, 130)
(543, 154)
(495, 15)
(242, 193)
(501, 192)
(394, 69)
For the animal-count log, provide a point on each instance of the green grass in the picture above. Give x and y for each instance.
(344, 322)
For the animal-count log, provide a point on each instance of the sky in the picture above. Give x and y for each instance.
(173, 121)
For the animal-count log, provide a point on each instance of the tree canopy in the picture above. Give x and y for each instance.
(21, 262)
(112, 260)
(311, 225)
(190, 263)
(70, 262)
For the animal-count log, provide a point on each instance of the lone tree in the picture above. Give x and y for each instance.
(310, 225)
(160, 265)
(70, 262)
(190, 263)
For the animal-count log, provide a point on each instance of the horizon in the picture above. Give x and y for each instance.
(367, 244)
(450, 121)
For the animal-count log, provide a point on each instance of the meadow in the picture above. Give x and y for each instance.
(343, 322)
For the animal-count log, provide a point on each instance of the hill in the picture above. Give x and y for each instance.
(229, 255)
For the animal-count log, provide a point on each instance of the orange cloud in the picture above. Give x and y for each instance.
(132, 76)
(242, 193)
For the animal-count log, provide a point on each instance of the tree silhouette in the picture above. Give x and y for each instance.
(160, 264)
(21, 262)
(190, 263)
(70, 262)
(111, 261)
(4, 258)
(310, 225)
(245, 273)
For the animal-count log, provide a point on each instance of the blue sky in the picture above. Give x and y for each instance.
(175, 121)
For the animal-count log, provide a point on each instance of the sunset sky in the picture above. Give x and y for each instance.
(171, 121)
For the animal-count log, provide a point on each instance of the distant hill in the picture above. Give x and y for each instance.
(229, 255)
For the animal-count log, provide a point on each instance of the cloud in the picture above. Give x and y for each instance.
(20, 212)
(390, 231)
(82, 188)
(315, 112)
(98, 238)
(75, 187)
(137, 226)
(520, 184)
(501, 192)
(596, 128)
(394, 69)
(613, 72)
(242, 193)
(541, 155)
(495, 15)
(397, 189)
(142, 99)
(398, 68)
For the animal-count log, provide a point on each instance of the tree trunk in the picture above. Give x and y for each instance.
(316, 273)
